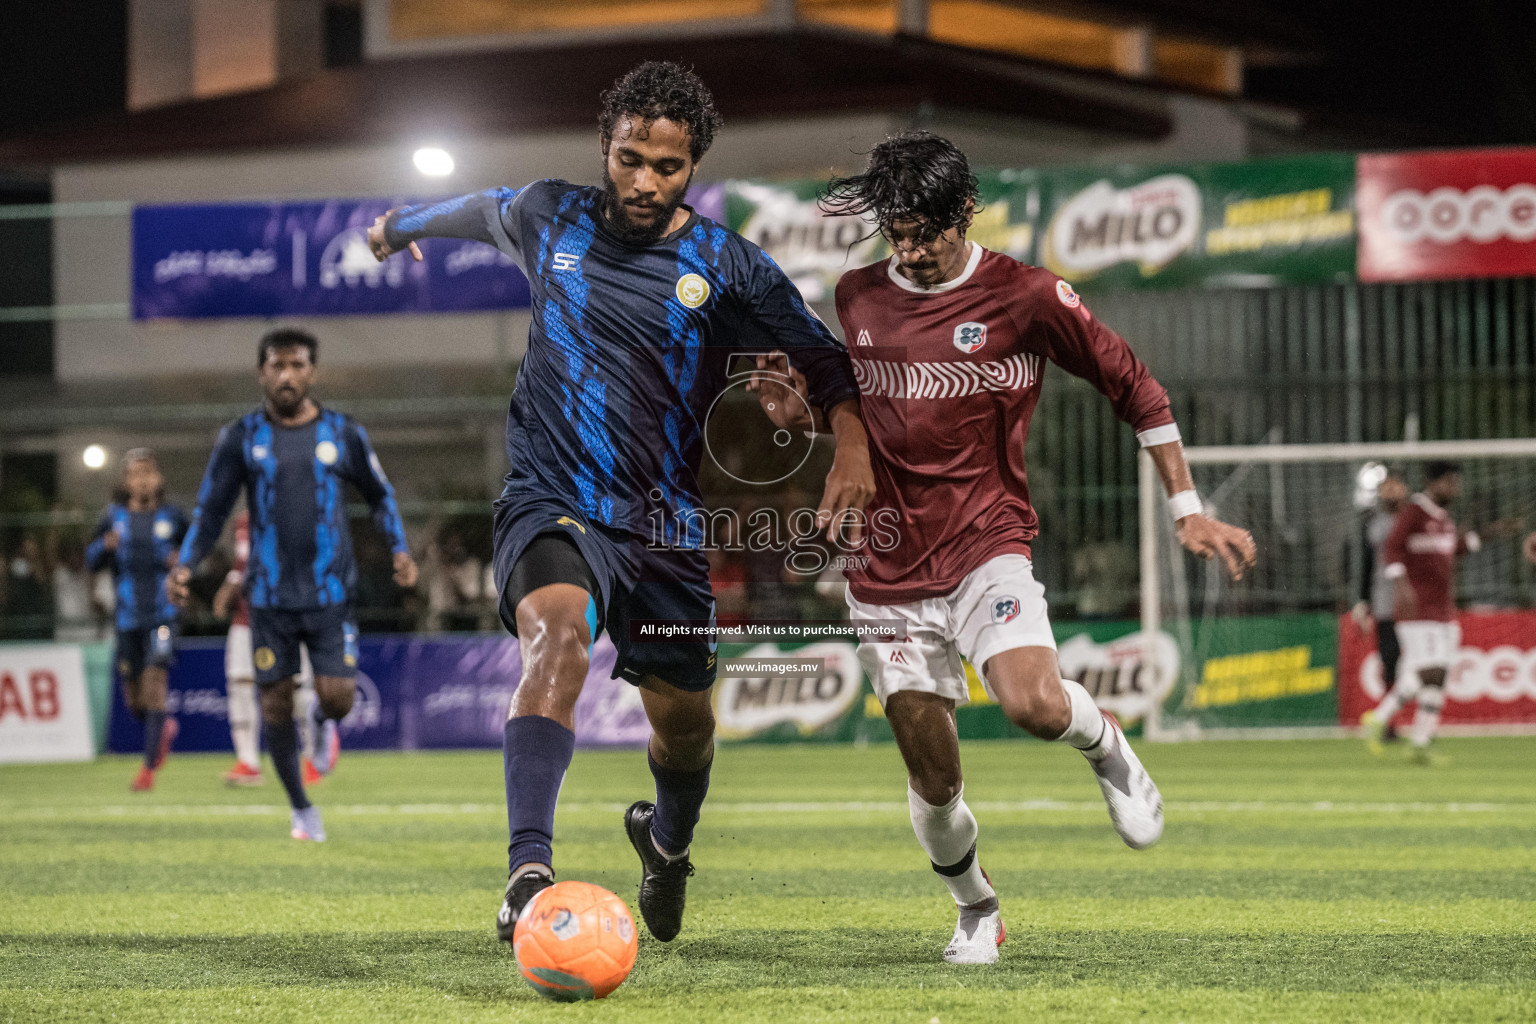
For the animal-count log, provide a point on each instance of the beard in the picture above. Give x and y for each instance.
(635, 232)
(286, 402)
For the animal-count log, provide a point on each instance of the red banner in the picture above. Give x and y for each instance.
(1440, 216)
(1493, 680)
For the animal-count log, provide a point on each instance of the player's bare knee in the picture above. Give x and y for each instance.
(1038, 705)
(152, 690)
(936, 786)
(335, 696)
(277, 703)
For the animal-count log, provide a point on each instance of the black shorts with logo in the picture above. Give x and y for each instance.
(277, 634)
(629, 582)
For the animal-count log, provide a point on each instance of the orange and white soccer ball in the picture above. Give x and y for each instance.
(575, 941)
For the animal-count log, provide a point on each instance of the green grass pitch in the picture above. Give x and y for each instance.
(1297, 881)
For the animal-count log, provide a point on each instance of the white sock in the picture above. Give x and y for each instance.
(948, 835)
(243, 718)
(304, 716)
(1408, 684)
(1087, 729)
(1427, 719)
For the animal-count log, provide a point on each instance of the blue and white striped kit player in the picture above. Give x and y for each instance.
(627, 352)
(139, 544)
(301, 571)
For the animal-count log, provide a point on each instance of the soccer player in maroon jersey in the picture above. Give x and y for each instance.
(949, 342)
(1421, 555)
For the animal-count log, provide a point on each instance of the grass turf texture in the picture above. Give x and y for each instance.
(1409, 894)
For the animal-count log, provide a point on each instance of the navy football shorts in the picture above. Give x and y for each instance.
(138, 649)
(277, 633)
(629, 582)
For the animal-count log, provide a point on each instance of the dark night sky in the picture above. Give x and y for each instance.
(1443, 71)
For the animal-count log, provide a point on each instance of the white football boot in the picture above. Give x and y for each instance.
(978, 933)
(1135, 805)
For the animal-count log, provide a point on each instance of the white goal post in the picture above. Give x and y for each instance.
(1304, 482)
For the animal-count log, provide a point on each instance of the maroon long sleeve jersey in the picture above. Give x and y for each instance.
(1423, 546)
(948, 379)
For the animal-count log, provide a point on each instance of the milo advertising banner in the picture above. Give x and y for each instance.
(815, 250)
(1274, 671)
(1264, 222)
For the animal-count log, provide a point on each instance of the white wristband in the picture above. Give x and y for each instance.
(1185, 503)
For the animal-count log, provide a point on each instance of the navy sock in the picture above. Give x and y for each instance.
(679, 795)
(283, 743)
(154, 726)
(536, 754)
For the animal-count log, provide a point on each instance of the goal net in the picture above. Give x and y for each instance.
(1280, 650)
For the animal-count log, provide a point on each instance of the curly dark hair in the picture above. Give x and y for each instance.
(657, 89)
(913, 175)
(286, 337)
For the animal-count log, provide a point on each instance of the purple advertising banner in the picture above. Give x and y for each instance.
(285, 259)
(412, 693)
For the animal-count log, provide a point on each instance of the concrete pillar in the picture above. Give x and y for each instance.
(193, 49)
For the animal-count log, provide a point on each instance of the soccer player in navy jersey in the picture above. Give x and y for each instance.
(949, 351)
(137, 539)
(638, 304)
(292, 459)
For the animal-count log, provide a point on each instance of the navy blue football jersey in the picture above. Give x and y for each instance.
(146, 544)
(293, 477)
(629, 347)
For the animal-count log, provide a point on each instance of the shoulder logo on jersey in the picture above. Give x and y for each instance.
(692, 290)
(864, 338)
(326, 452)
(264, 659)
(568, 521)
(969, 337)
(258, 451)
(1005, 609)
(163, 529)
(1068, 297)
(564, 261)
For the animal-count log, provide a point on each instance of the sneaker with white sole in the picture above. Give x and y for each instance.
(978, 933)
(307, 826)
(1135, 805)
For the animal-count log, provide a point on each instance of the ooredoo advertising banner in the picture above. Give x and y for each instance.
(1492, 681)
(1447, 215)
(45, 714)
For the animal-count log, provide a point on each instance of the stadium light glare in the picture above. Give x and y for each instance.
(94, 456)
(433, 162)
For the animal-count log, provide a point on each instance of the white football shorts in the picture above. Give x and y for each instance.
(1427, 644)
(997, 607)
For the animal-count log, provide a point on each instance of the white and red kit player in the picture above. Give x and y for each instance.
(1421, 554)
(240, 672)
(949, 343)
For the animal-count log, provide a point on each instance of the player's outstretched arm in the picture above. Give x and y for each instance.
(477, 217)
(1199, 533)
(366, 472)
(215, 498)
(851, 481)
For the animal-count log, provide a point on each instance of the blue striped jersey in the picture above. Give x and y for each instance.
(629, 347)
(293, 479)
(146, 548)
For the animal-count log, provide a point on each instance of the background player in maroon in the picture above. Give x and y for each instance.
(949, 342)
(1421, 555)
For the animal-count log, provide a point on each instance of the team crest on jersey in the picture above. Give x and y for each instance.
(264, 658)
(969, 337)
(326, 452)
(1005, 609)
(163, 529)
(1067, 296)
(692, 290)
(864, 338)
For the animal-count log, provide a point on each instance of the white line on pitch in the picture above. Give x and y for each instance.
(830, 807)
